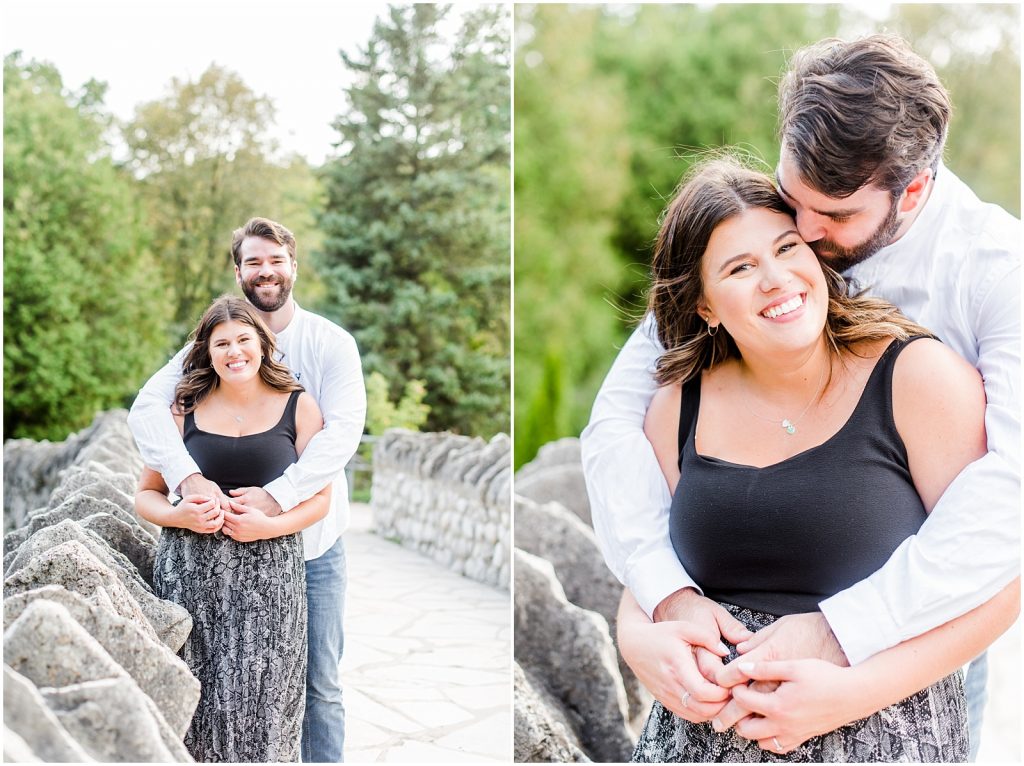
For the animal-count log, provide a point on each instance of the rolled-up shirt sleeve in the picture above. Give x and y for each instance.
(969, 547)
(342, 401)
(154, 429)
(629, 497)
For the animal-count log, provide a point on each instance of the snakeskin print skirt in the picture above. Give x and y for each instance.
(248, 641)
(930, 726)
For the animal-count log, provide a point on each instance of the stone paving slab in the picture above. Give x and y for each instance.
(428, 656)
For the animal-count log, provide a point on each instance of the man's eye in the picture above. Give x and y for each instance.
(839, 218)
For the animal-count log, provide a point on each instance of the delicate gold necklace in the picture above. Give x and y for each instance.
(789, 426)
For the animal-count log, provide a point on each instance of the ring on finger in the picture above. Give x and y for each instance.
(777, 745)
(685, 697)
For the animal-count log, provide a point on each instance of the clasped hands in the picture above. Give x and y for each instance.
(794, 669)
(242, 516)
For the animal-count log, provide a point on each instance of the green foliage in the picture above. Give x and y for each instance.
(614, 102)
(205, 165)
(416, 235)
(83, 312)
(381, 413)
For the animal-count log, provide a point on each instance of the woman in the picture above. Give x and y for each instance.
(805, 434)
(239, 573)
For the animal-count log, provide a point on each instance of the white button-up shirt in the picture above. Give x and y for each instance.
(325, 360)
(956, 271)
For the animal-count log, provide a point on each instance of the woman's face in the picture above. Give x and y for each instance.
(235, 351)
(763, 284)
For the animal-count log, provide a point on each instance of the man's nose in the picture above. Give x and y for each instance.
(810, 225)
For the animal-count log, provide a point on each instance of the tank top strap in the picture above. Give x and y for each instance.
(879, 385)
(190, 424)
(689, 405)
(290, 409)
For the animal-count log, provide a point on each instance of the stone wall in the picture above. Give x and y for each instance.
(575, 699)
(90, 665)
(449, 497)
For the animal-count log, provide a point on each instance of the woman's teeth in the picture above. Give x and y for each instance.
(784, 308)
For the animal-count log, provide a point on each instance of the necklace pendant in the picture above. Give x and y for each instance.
(238, 418)
(789, 427)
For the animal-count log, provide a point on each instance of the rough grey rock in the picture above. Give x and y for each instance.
(114, 721)
(156, 669)
(98, 481)
(562, 484)
(32, 469)
(74, 567)
(570, 651)
(26, 713)
(558, 536)
(559, 452)
(541, 733)
(47, 646)
(170, 621)
(76, 507)
(134, 543)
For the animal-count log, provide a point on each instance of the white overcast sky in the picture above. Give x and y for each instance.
(287, 51)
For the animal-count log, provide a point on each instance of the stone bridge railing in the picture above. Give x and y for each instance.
(90, 670)
(449, 497)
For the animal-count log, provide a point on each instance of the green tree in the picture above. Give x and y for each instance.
(205, 164)
(415, 255)
(83, 313)
(571, 174)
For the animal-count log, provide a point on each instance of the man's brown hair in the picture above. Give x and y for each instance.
(263, 228)
(865, 112)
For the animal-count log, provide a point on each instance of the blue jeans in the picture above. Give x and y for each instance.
(323, 727)
(977, 695)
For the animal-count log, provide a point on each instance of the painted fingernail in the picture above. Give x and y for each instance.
(723, 648)
(717, 725)
(747, 667)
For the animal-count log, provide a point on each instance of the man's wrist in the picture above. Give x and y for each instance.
(663, 611)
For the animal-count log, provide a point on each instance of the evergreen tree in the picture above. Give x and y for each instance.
(83, 311)
(416, 227)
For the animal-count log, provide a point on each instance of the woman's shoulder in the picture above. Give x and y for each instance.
(931, 383)
(307, 411)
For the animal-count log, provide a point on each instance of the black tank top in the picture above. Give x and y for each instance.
(779, 539)
(244, 461)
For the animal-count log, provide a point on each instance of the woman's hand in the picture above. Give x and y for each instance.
(813, 697)
(199, 513)
(674, 659)
(244, 524)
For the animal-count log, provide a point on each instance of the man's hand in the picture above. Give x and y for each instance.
(199, 513)
(689, 606)
(244, 524)
(197, 484)
(793, 637)
(257, 498)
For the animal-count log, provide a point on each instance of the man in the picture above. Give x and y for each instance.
(862, 128)
(325, 360)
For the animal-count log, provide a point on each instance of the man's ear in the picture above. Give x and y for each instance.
(914, 194)
(238, 276)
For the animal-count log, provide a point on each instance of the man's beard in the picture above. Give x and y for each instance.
(268, 303)
(842, 258)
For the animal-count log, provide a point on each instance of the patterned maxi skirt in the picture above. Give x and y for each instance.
(930, 726)
(248, 641)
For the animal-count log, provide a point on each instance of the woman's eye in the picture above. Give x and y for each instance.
(786, 247)
(741, 267)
